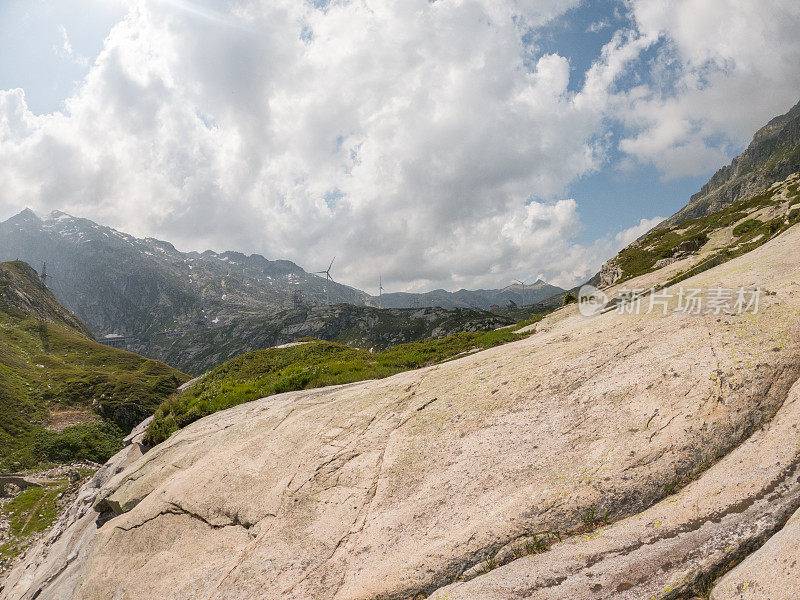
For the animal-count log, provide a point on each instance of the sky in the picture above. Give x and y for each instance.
(433, 143)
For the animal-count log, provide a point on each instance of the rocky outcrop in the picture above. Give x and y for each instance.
(771, 572)
(610, 273)
(16, 483)
(399, 487)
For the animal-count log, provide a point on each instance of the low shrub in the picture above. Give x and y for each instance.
(746, 227)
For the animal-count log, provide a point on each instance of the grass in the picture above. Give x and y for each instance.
(540, 542)
(29, 513)
(592, 519)
(312, 365)
(49, 366)
(34, 509)
(746, 227)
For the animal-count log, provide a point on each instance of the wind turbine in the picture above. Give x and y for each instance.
(523, 291)
(43, 275)
(380, 290)
(327, 273)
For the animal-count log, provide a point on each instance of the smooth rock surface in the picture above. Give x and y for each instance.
(665, 551)
(390, 488)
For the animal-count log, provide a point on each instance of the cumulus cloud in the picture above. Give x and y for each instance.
(429, 142)
(402, 136)
(716, 72)
(626, 236)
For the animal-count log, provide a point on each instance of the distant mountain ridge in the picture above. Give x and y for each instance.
(364, 327)
(145, 294)
(529, 294)
(116, 283)
(204, 286)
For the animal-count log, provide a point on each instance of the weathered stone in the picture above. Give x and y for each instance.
(390, 488)
(672, 549)
(663, 262)
(610, 273)
(773, 572)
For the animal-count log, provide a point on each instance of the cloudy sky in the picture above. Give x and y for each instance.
(438, 143)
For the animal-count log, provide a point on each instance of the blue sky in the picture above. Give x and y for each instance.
(32, 46)
(461, 143)
(613, 199)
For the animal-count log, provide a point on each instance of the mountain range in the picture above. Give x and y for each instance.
(622, 456)
(632, 454)
(196, 309)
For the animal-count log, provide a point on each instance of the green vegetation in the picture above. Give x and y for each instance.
(29, 513)
(310, 365)
(592, 519)
(96, 442)
(63, 396)
(358, 326)
(34, 509)
(569, 298)
(690, 236)
(746, 227)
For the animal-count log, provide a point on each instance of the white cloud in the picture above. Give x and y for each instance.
(419, 140)
(231, 129)
(626, 236)
(598, 26)
(576, 263)
(65, 50)
(721, 71)
(66, 46)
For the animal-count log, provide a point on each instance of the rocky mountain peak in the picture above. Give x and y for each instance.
(773, 155)
(26, 216)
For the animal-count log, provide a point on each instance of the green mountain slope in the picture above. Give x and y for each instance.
(698, 244)
(363, 327)
(63, 396)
